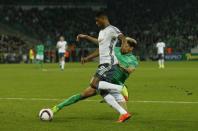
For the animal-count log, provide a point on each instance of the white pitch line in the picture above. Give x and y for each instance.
(31, 99)
(137, 101)
(174, 102)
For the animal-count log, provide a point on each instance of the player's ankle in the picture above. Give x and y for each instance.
(55, 109)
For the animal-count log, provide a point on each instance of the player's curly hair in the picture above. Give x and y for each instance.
(101, 14)
(132, 42)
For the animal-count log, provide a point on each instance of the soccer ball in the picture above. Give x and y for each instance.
(46, 114)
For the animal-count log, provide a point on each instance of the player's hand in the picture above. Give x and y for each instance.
(129, 69)
(84, 60)
(80, 36)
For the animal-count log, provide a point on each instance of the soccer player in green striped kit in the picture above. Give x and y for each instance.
(40, 54)
(113, 80)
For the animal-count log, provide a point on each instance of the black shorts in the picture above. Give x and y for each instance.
(160, 56)
(62, 54)
(112, 74)
(102, 70)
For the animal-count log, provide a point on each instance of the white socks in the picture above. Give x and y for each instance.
(161, 63)
(112, 102)
(108, 86)
(62, 63)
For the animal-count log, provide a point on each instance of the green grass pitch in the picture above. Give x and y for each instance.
(161, 100)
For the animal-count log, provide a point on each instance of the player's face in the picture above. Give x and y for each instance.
(125, 48)
(61, 38)
(100, 21)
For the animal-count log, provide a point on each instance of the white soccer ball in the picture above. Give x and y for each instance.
(46, 114)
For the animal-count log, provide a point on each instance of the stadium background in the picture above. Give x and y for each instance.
(160, 99)
(25, 23)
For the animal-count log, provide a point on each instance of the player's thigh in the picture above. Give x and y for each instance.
(94, 82)
(61, 56)
(88, 92)
(160, 56)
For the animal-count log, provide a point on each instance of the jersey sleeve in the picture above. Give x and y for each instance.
(133, 63)
(164, 45)
(157, 45)
(115, 32)
(57, 45)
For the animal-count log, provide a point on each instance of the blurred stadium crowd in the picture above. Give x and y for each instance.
(175, 22)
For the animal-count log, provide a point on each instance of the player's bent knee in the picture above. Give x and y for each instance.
(103, 93)
(94, 86)
(94, 82)
(88, 92)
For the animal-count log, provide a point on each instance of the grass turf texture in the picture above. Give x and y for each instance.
(178, 82)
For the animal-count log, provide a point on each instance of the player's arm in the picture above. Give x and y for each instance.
(90, 57)
(118, 34)
(87, 37)
(128, 69)
(66, 46)
(57, 45)
(122, 38)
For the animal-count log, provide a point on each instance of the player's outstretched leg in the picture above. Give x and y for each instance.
(71, 100)
(88, 92)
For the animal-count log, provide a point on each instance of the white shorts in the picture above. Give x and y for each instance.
(40, 57)
(118, 96)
